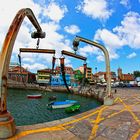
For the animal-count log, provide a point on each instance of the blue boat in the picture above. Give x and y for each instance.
(62, 104)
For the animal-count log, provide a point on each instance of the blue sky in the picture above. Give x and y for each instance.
(113, 23)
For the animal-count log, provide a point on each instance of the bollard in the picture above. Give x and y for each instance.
(7, 125)
(108, 100)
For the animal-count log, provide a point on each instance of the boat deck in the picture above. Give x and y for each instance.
(120, 121)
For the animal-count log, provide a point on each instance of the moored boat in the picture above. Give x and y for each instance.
(62, 104)
(52, 98)
(72, 108)
(35, 96)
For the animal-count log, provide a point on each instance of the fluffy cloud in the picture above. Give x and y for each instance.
(111, 41)
(34, 66)
(7, 14)
(72, 29)
(53, 40)
(132, 55)
(128, 33)
(100, 58)
(130, 29)
(97, 9)
(55, 12)
(124, 2)
(88, 50)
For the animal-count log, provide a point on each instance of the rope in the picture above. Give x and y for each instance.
(19, 56)
(53, 64)
(63, 74)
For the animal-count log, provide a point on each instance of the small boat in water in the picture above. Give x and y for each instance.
(62, 104)
(72, 108)
(52, 98)
(35, 96)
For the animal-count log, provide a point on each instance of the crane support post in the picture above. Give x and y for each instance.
(7, 124)
(28, 50)
(73, 55)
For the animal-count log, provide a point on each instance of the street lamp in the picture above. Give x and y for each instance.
(96, 73)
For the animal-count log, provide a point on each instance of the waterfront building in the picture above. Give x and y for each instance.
(68, 70)
(57, 80)
(57, 76)
(125, 77)
(20, 74)
(43, 76)
(89, 75)
(101, 76)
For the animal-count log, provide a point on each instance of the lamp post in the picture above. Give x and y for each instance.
(108, 99)
(96, 73)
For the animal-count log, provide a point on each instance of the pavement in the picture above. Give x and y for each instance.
(121, 121)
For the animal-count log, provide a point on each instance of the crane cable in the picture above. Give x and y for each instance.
(52, 70)
(62, 65)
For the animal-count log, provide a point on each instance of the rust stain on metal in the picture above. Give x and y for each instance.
(5, 56)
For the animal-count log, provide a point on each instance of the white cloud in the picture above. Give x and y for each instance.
(28, 59)
(132, 55)
(111, 41)
(130, 29)
(100, 58)
(125, 2)
(88, 50)
(72, 29)
(128, 33)
(53, 40)
(97, 9)
(35, 66)
(55, 12)
(7, 14)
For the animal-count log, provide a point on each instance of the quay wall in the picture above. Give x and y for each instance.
(90, 91)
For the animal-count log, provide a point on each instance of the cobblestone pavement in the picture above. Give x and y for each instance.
(120, 121)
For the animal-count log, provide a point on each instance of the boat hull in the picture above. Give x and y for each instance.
(34, 96)
(72, 108)
(61, 106)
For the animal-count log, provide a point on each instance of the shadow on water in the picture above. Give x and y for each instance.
(32, 111)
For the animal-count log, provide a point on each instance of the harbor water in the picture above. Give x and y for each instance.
(32, 111)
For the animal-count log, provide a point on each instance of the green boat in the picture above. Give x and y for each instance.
(72, 108)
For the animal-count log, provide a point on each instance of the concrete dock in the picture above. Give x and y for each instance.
(120, 121)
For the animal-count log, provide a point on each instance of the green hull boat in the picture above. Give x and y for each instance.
(72, 108)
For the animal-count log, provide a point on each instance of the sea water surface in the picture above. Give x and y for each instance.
(32, 111)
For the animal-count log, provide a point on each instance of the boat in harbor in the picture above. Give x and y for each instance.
(52, 98)
(35, 96)
(62, 104)
(72, 108)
